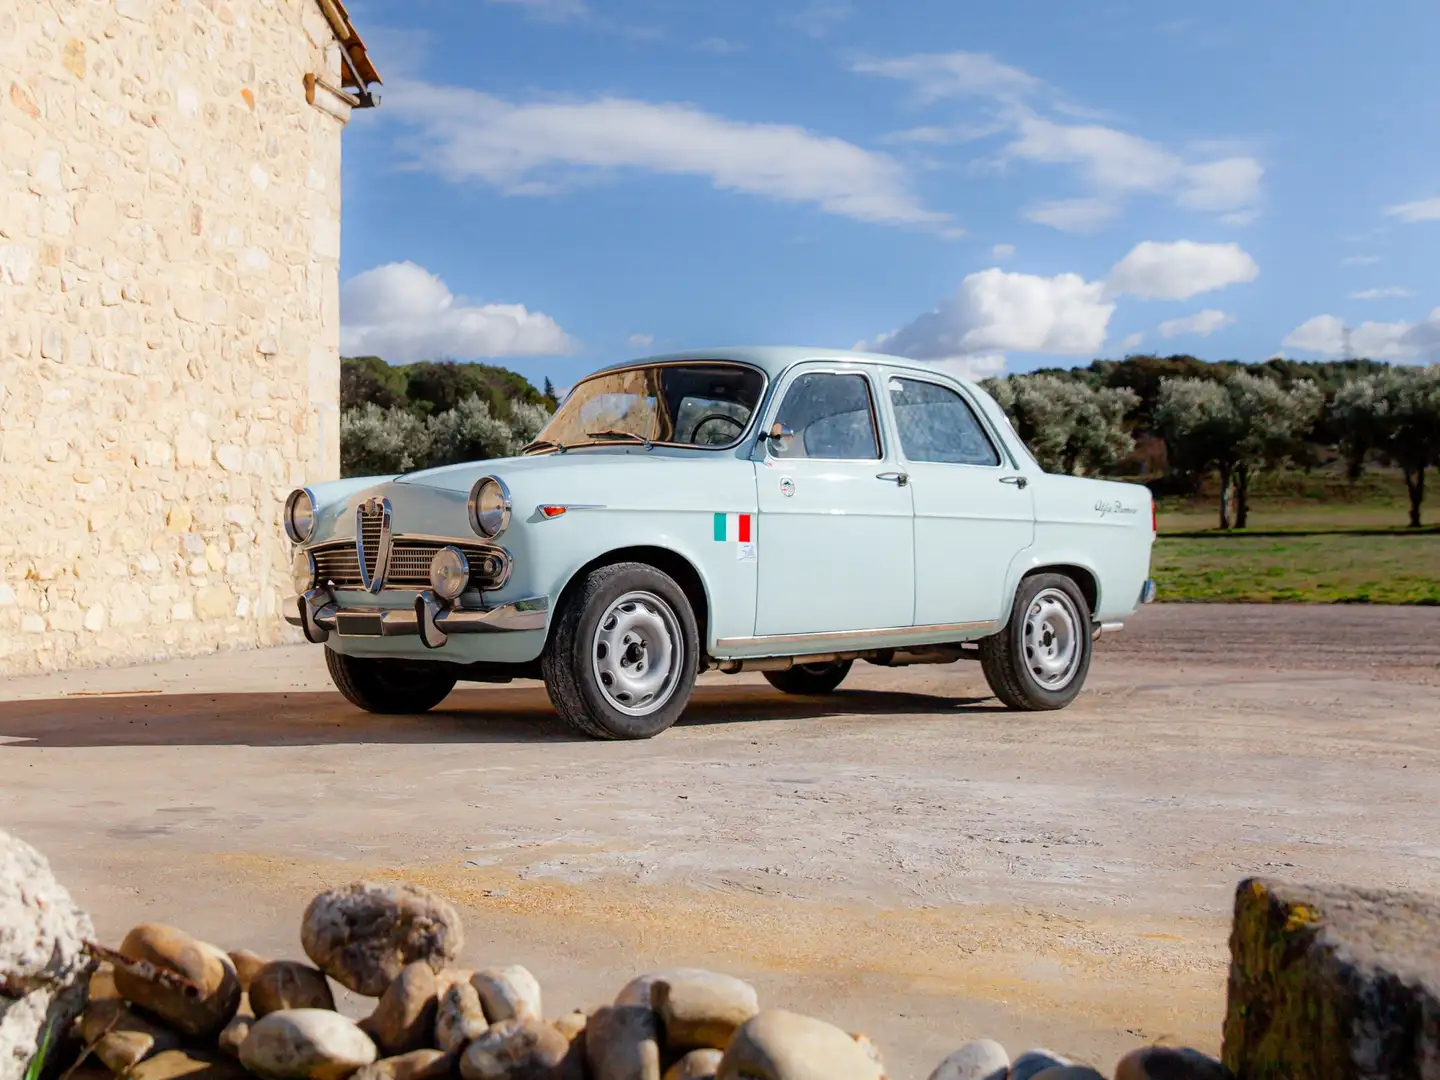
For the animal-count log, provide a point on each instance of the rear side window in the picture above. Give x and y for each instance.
(937, 424)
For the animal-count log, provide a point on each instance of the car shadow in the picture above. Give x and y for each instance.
(504, 714)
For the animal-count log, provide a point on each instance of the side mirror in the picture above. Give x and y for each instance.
(778, 436)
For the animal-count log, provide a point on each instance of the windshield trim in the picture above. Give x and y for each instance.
(697, 362)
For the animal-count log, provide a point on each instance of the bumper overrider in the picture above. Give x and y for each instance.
(318, 615)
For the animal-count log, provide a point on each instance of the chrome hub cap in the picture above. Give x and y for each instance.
(637, 653)
(1052, 639)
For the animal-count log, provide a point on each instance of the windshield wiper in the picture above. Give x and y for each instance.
(615, 433)
(544, 444)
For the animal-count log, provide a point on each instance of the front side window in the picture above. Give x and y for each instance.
(832, 417)
(681, 404)
(937, 424)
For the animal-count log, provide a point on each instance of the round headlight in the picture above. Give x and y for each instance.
(449, 573)
(302, 572)
(489, 507)
(300, 515)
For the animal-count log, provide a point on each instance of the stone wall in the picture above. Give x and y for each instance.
(169, 319)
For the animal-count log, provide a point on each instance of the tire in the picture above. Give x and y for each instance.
(1040, 660)
(621, 661)
(389, 687)
(811, 680)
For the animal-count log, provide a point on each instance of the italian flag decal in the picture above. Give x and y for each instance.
(734, 528)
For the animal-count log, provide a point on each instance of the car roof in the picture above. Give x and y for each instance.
(774, 359)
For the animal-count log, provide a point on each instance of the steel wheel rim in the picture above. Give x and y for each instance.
(1052, 644)
(637, 654)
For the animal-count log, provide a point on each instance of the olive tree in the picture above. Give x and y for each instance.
(1396, 414)
(376, 441)
(1069, 426)
(1237, 427)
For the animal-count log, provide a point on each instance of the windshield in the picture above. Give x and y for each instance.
(681, 404)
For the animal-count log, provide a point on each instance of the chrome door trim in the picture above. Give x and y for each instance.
(856, 635)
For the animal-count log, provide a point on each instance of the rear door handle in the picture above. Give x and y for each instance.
(1018, 481)
(899, 478)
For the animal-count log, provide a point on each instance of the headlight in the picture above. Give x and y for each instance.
(302, 572)
(489, 507)
(449, 573)
(300, 515)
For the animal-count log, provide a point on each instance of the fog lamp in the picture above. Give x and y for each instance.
(449, 573)
(302, 572)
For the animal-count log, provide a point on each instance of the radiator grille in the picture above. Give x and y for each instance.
(409, 567)
(371, 525)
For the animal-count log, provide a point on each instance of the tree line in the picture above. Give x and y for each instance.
(1228, 420)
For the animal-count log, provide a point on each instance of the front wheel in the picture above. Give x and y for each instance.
(1040, 660)
(622, 659)
(809, 679)
(388, 686)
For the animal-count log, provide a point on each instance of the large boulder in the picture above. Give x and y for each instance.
(363, 934)
(1331, 983)
(43, 964)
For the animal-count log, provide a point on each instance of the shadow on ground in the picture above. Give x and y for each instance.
(499, 715)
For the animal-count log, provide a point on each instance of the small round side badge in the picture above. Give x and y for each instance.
(787, 486)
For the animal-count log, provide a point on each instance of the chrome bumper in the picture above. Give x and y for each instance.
(318, 616)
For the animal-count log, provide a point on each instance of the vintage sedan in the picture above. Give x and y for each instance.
(780, 510)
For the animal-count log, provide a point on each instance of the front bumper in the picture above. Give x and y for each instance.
(318, 615)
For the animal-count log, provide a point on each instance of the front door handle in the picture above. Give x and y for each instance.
(1018, 481)
(898, 478)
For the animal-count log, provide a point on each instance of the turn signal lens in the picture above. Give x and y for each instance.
(449, 573)
(551, 511)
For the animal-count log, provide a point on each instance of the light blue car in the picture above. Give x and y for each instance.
(781, 510)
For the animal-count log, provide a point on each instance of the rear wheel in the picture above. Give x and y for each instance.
(388, 686)
(1040, 660)
(622, 659)
(809, 679)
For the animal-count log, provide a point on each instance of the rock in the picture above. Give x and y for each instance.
(459, 1017)
(638, 991)
(363, 934)
(872, 1051)
(204, 965)
(983, 1059)
(1069, 1072)
(517, 1050)
(780, 1045)
(622, 1042)
(102, 985)
(285, 984)
(1332, 982)
(123, 1038)
(572, 1024)
(1033, 1062)
(189, 1064)
(416, 1065)
(43, 966)
(246, 964)
(1169, 1063)
(235, 1032)
(404, 1020)
(701, 1010)
(508, 993)
(696, 1065)
(306, 1044)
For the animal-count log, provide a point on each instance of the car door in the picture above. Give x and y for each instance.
(973, 512)
(835, 539)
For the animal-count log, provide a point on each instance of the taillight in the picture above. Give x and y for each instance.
(1154, 516)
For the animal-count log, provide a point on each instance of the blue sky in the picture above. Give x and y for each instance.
(553, 184)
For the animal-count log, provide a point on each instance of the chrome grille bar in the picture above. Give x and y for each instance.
(409, 564)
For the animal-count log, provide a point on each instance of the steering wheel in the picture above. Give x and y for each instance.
(723, 418)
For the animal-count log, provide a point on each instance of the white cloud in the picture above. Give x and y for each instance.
(1327, 335)
(542, 147)
(1422, 210)
(1384, 293)
(1360, 260)
(1132, 341)
(1204, 323)
(955, 74)
(1002, 251)
(820, 17)
(1180, 269)
(551, 10)
(1073, 215)
(404, 313)
(718, 46)
(994, 311)
(641, 341)
(982, 366)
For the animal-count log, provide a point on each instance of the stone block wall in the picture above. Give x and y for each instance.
(169, 319)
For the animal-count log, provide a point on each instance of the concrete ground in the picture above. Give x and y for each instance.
(904, 858)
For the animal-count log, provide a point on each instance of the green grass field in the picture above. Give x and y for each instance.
(1312, 538)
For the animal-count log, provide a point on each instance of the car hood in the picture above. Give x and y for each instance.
(462, 477)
